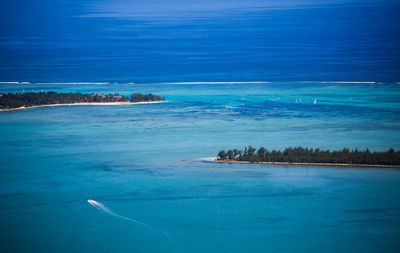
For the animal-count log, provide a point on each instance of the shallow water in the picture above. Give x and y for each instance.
(143, 163)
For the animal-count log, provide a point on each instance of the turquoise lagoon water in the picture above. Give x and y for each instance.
(144, 164)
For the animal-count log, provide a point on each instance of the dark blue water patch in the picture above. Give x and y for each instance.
(252, 174)
(365, 126)
(345, 179)
(272, 220)
(212, 197)
(365, 221)
(212, 187)
(12, 195)
(104, 167)
(373, 210)
(124, 170)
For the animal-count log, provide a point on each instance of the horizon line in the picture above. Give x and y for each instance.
(199, 82)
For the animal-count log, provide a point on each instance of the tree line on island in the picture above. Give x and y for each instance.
(306, 155)
(16, 100)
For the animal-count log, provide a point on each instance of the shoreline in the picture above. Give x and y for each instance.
(311, 164)
(95, 103)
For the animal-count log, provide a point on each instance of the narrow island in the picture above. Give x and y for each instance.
(306, 156)
(16, 101)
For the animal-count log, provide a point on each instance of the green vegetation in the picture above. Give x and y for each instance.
(137, 97)
(305, 155)
(16, 100)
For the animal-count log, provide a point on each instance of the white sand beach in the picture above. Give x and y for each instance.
(105, 103)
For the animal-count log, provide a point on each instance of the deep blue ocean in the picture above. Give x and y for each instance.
(191, 40)
(145, 164)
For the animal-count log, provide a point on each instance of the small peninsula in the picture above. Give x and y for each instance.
(15, 101)
(306, 156)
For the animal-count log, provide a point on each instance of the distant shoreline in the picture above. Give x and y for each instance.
(311, 164)
(94, 103)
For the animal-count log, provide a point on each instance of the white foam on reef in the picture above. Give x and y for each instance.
(347, 82)
(343, 82)
(101, 207)
(12, 82)
(275, 82)
(16, 82)
(75, 83)
(211, 82)
(207, 159)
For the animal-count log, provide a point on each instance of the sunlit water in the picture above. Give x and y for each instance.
(142, 167)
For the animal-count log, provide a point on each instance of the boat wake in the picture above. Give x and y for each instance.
(101, 207)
